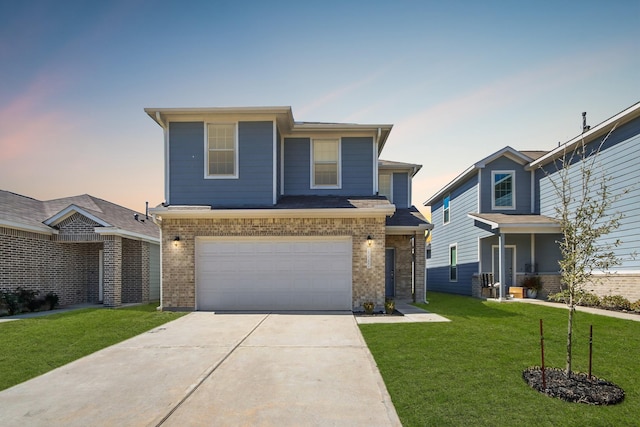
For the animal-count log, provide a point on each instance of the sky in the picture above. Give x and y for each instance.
(459, 80)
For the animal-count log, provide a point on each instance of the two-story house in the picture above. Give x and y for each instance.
(497, 217)
(265, 213)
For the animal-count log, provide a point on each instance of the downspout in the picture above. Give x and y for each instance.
(158, 221)
(375, 162)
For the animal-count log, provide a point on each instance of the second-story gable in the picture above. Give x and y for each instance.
(253, 156)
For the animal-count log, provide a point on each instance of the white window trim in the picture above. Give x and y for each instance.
(390, 174)
(454, 245)
(312, 166)
(236, 169)
(443, 209)
(513, 190)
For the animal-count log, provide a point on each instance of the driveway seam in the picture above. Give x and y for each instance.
(210, 372)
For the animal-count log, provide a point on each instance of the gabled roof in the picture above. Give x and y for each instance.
(282, 115)
(26, 213)
(511, 153)
(598, 131)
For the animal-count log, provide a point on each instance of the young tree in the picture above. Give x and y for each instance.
(582, 189)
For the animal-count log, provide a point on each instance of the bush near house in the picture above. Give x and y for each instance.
(22, 300)
(607, 302)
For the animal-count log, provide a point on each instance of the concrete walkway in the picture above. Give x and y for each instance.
(592, 310)
(216, 369)
(410, 314)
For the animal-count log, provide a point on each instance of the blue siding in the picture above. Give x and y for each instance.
(461, 231)
(523, 186)
(187, 185)
(620, 161)
(401, 190)
(357, 168)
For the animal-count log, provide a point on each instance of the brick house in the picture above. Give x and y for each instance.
(265, 213)
(82, 248)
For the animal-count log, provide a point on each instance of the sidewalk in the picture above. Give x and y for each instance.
(592, 310)
(410, 314)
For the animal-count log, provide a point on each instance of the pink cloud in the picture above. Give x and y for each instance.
(502, 93)
(25, 127)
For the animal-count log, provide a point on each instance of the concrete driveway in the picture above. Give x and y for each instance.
(216, 369)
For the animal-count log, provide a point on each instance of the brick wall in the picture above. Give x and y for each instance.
(35, 261)
(178, 264)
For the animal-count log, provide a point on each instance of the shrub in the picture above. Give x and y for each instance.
(11, 301)
(636, 306)
(532, 282)
(51, 299)
(615, 302)
(585, 299)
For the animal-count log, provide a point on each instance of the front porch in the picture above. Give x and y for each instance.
(518, 246)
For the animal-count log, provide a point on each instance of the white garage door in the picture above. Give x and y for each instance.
(270, 273)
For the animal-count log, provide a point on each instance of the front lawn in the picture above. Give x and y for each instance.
(468, 372)
(31, 347)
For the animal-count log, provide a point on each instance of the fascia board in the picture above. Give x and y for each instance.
(382, 210)
(70, 210)
(27, 227)
(453, 184)
(397, 230)
(115, 231)
(593, 133)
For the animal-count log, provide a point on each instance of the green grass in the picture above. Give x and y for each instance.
(31, 347)
(468, 372)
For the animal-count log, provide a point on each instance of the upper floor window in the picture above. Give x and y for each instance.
(325, 160)
(445, 209)
(222, 151)
(385, 186)
(503, 194)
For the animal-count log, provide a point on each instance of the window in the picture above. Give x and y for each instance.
(503, 190)
(453, 263)
(445, 209)
(385, 186)
(222, 151)
(325, 163)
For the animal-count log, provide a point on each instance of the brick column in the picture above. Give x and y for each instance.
(144, 271)
(419, 253)
(113, 271)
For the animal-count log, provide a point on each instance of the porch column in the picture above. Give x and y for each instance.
(113, 271)
(501, 257)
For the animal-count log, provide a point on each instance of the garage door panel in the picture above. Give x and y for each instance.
(273, 274)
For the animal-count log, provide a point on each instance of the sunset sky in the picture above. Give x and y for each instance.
(459, 80)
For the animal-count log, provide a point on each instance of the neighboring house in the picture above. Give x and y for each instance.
(84, 249)
(502, 208)
(265, 213)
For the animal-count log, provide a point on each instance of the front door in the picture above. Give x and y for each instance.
(389, 273)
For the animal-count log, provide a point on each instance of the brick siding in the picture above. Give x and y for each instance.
(178, 264)
(68, 263)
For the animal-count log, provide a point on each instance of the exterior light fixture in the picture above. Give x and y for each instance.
(175, 241)
(369, 240)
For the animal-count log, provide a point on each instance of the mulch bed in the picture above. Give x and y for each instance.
(376, 314)
(578, 387)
